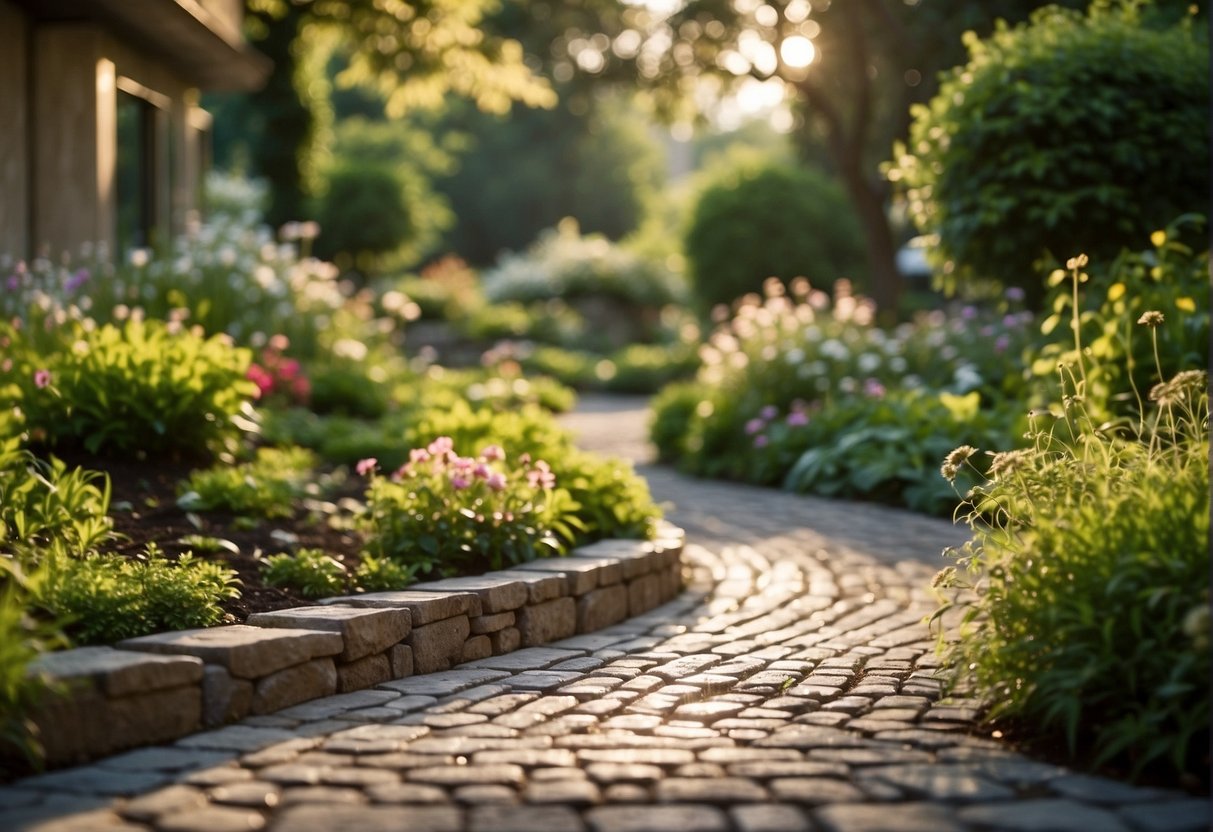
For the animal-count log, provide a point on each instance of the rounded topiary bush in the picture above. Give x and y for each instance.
(1072, 133)
(769, 221)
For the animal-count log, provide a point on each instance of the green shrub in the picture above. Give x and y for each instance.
(107, 598)
(1070, 133)
(381, 574)
(139, 388)
(266, 487)
(1090, 567)
(611, 500)
(763, 221)
(313, 573)
(348, 388)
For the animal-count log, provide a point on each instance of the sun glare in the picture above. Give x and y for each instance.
(797, 51)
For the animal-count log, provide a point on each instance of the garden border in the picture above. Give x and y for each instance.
(159, 688)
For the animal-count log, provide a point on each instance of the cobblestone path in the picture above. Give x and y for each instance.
(791, 687)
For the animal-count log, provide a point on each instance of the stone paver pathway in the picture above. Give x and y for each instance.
(791, 687)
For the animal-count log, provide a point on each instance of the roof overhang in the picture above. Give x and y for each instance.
(206, 48)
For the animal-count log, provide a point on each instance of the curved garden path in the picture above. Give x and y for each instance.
(789, 688)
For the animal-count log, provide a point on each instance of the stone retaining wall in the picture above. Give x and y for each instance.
(161, 687)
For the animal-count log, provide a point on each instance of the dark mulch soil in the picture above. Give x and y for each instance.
(144, 508)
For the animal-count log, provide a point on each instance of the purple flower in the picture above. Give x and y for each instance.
(366, 466)
(459, 482)
(496, 481)
(1001, 343)
(754, 426)
(769, 412)
(798, 419)
(13, 283)
(873, 388)
(761, 441)
(968, 313)
(42, 378)
(1014, 293)
(77, 280)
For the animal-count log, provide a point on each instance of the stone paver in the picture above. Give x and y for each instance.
(790, 687)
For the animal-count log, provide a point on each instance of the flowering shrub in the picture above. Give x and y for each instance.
(141, 387)
(804, 390)
(228, 275)
(1089, 565)
(279, 379)
(446, 512)
(564, 264)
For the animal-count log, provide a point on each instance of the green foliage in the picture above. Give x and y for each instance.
(42, 502)
(598, 166)
(881, 449)
(143, 387)
(769, 220)
(637, 368)
(266, 487)
(1089, 565)
(1093, 617)
(23, 637)
(348, 388)
(108, 598)
(612, 501)
(1071, 133)
(381, 574)
(447, 513)
(313, 573)
(376, 206)
(1120, 357)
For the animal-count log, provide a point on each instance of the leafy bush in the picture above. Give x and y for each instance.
(762, 221)
(107, 598)
(143, 387)
(444, 512)
(1069, 132)
(313, 573)
(611, 500)
(266, 487)
(1090, 563)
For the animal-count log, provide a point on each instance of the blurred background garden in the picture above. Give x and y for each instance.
(840, 244)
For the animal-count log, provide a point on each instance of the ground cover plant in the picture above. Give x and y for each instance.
(1089, 616)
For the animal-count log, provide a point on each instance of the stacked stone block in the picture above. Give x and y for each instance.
(160, 687)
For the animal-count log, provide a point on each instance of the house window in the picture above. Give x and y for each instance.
(141, 181)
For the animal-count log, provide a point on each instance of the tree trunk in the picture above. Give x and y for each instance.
(869, 202)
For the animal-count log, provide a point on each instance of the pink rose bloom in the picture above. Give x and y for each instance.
(366, 466)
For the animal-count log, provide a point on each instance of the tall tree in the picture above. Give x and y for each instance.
(414, 52)
(854, 68)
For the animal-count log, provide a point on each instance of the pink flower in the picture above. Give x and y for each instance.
(459, 482)
(761, 441)
(42, 378)
(873, 388)
(798, 419)
(769, 412)
(261, 377)
(419, 455)
(366, 466)
(496, 481)
(441, 445)
(754, 426)
(481, 471)
(493, 453)
(541, 476)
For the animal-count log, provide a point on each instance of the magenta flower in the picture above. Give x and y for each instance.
(754, 426)
(366, 466)
(460, 482)
(769, 412)
(42, 378)
(873, 388)
(481, 471)
(798, 419)
(496, 481)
